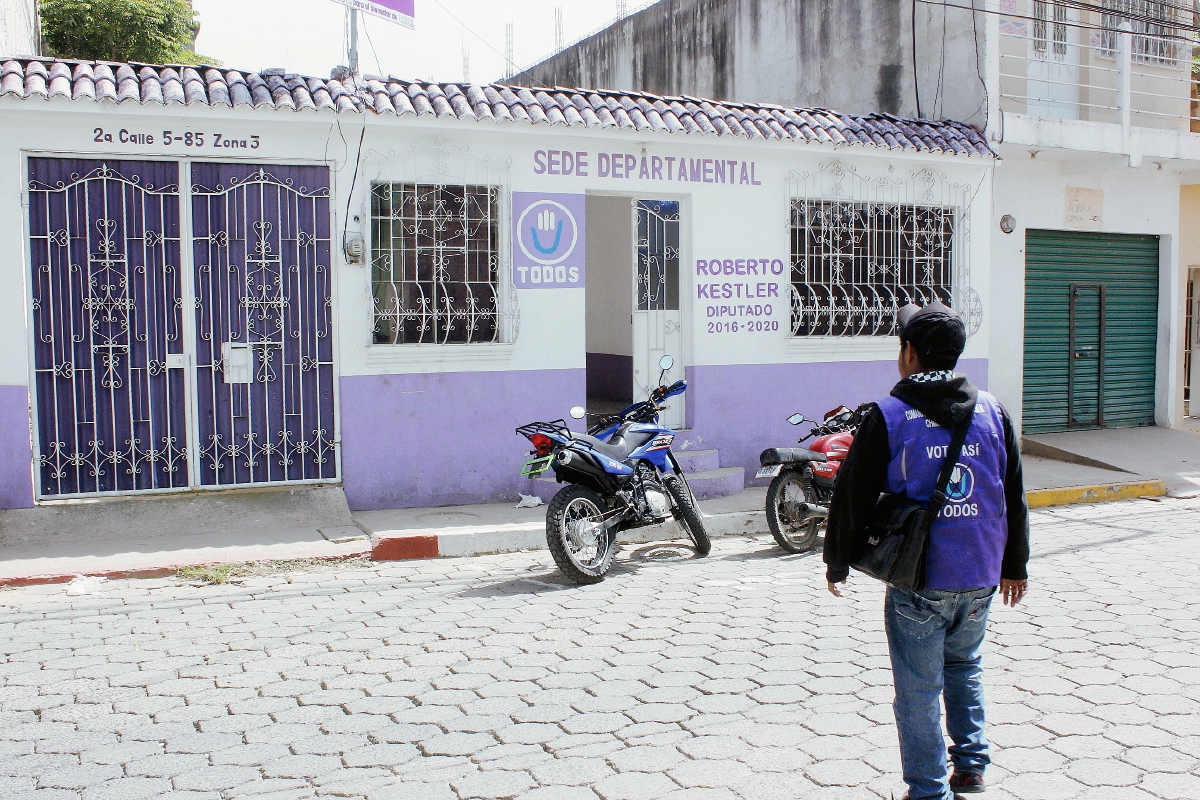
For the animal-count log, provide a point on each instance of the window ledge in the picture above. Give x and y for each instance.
(842, 348)
(449, 357)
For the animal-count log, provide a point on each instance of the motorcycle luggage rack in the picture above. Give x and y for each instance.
(557, 427)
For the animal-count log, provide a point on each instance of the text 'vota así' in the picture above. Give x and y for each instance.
(628, 166)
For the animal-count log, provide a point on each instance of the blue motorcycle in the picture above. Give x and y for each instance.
(620, 475)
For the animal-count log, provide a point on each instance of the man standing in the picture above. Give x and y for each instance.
(979, 541)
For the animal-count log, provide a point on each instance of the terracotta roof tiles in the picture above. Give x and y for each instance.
(81, 81)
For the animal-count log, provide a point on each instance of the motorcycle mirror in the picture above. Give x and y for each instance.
(577, 412)
(665, 363)
(796, 419)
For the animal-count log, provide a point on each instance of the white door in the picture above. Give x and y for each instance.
(657, 326)
(1052, 68)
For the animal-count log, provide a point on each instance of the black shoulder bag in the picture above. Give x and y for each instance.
(899, 531)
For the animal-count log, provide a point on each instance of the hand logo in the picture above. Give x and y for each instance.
(547, 221)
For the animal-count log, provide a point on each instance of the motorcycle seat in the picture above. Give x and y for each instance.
(788, 455)
(617, 448)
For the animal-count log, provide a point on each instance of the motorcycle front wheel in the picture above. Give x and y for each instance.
(784, 495)
(687, 514)
(574, 533)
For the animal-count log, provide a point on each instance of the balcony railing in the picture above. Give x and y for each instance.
(1067, 69)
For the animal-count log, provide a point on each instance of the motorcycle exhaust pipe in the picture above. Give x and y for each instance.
(811, 511)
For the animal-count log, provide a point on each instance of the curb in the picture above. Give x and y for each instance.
(1095, 493)
(164, 570)
(403, 546)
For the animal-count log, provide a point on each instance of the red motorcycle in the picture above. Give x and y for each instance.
(798, 498)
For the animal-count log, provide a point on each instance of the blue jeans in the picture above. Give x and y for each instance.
(934, 639)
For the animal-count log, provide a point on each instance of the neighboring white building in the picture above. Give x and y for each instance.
(1091, 106)
(19, 27)
(213, 279)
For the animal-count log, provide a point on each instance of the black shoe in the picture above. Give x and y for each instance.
(967, 783)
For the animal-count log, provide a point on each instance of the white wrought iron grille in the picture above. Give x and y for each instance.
(862, 247)
(261, 243)
(1154, 26)
(107, 314)
(436, 263)
(658, 255)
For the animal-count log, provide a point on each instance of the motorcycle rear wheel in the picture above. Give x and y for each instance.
(687, 514)
(581, 555)
(785, 492)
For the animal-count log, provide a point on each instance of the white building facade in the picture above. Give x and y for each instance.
(216, 280)
(1094, 108)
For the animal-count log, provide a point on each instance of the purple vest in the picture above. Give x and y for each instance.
(966, 541)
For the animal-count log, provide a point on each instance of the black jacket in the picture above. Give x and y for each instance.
(863, 474)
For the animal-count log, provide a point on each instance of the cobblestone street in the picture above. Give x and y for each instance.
(735, 675)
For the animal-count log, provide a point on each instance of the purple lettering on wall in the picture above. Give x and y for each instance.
(630, 163)
(618, 165)
(696, 170)
(644, 172)
(719, 173)
(568, 162)
(656, 164)
(745, 174)
(604, 165)
(539, 162)
(683, 173)
(581, 164)
(553, 163)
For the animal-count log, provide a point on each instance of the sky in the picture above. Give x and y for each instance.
(308, 36)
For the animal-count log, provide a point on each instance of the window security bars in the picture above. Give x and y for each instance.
(862, 247)
(658, 255)
(1153, 27)
(436, 263)
(107, 315)
(1041, 27)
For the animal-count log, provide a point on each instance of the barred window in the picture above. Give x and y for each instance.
(1041, 27)
(435, 257)
(854, 264)
(1153, 24)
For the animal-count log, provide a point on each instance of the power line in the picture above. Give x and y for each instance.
(467, 28)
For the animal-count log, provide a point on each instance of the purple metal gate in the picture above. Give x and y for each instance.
(107, 315)
(264, 349)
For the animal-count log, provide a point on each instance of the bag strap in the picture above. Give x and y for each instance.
(938, 499)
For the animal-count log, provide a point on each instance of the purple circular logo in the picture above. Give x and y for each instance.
(547, 232)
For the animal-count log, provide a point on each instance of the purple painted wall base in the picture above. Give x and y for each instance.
(441, 439)
(435, 439)
(16, 487)
(742, 409)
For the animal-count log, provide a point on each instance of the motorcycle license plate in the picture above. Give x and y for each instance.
(769, 472)
(536, 466)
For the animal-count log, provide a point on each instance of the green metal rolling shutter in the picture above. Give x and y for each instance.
(1128, 268)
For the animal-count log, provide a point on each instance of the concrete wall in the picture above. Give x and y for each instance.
(854, 56)
(1139, 201)
(18, 28)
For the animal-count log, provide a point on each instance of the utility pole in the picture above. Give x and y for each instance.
(558, 29)
(353, 58)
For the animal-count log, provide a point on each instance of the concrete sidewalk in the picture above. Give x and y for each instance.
(500, 528)
(155, 535)
(1115, 454)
